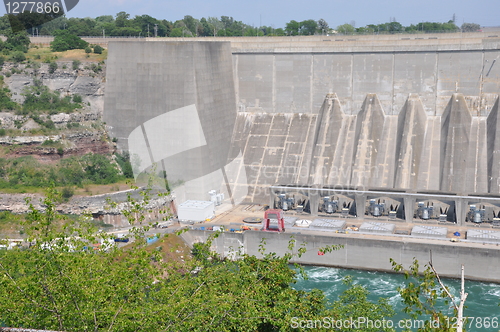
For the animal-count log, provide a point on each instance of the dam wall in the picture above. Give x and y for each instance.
(297, 81)
(172, 106)
(409, 112)
(361, 252)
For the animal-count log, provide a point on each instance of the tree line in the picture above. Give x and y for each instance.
(122, 24)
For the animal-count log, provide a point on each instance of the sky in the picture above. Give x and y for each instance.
(276, 13)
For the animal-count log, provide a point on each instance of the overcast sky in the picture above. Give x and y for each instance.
(277, 13)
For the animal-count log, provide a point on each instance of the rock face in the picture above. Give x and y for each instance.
(78, 132)
(98, 206)
(84, 81)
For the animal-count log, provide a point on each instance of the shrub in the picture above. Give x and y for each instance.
(67, 193)
(77, 98)
(98, 49)
(52, 67)
(2, 61)
(88, 50)
(18, 56)
(63, 41)
(2, 132)
(76, 64)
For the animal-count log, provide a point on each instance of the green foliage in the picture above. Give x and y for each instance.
(346, 29)
(17, 57)
(39, 98)
(354, 303)
(19, 41)
(420, 296)
(123, 160)
(2, 61)
(52, 67)
(77, 98)
(6, 103)
(2, 132)
(88, 50)
(99, 170)
(26, 172)
(76, 64)
(98, 49)
(65, 286)
(64, 40)
(67, 193)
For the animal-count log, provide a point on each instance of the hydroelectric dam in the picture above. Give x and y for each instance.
(402, 114)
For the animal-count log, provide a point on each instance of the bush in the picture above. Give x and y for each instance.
(18, 56)
(2, 61)
(63, 41)
(52, 67)
(98, 49)
(39, 98)
(76, 64)
(2, 132)
(95, 68)
(77, 98)
(67, 193)
(88, 50)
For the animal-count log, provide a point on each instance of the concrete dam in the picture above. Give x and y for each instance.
(411, 113)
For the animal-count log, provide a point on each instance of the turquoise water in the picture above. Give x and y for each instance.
(482, 301)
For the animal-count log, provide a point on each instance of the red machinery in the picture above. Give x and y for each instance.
(277, 215)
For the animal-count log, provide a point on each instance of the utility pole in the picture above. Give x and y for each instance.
(156, 30)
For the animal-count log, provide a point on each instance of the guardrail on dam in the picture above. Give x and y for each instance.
(400, 111)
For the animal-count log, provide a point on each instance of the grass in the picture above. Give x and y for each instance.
(99, 189)
(42, 54)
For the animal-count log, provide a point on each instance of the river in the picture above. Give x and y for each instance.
(482, 302)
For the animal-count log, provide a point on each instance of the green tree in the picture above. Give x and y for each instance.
(346, 29)
(308, 27)
(98, 49)
(122, 19)
(292, 28)
(59, 283)
(64, 40)
(17, 41)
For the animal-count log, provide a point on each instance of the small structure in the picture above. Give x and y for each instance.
(303, 223)
(274, 221)
(327, 224)
(480, 235)
(196, 211)
(377, 227)
(429, 231)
